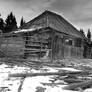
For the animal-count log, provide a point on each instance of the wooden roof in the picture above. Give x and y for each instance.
(55, 21)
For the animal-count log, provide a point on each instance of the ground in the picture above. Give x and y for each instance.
(50, 83)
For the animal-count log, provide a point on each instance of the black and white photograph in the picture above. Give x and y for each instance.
(45, 45)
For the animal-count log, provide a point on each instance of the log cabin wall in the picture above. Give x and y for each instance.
(12, 46)
(45, 43)
(67, 47)
(57, 45)
(38, 45)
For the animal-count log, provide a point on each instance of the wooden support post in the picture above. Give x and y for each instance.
(7, 47)
(52, 40)
(63, 46)
(82, 48)
(40, 45)
(26, 39)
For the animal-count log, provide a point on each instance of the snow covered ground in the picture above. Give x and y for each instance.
(31, 84)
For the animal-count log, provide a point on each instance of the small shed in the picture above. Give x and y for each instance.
(52, 37)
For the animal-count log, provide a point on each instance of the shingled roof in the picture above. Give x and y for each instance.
(55, 21)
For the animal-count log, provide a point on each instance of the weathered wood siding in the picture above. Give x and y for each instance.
(54, 42)
(13, 46)
(63, 50)
(39, 44)
(73, 52)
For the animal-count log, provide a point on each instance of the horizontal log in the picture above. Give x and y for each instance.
(81, 85)
(47, 74)
(34, 74)
(53, 84)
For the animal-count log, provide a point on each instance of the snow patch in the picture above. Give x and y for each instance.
(70, 69)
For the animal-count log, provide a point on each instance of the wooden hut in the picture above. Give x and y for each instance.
(53, 38)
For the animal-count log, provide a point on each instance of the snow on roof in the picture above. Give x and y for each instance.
(27, 30)
(70, 69)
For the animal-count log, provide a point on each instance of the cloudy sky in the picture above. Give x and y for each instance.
(77, 12)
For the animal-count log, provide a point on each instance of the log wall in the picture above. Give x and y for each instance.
(39, 45)
(62, 49)
(13, 46)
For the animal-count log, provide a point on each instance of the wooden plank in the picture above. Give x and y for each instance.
(53, 84)
(48, 74)
(79, 85)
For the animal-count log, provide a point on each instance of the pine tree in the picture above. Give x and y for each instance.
(14, 23)
(89, 35)
(22, 22)
(11, 24)
(2, 24)
(82, 32)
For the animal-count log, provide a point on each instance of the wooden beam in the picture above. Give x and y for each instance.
(52, 41)
(48, 74)
(79, 85)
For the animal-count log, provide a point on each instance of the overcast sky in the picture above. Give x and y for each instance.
(77, 12)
